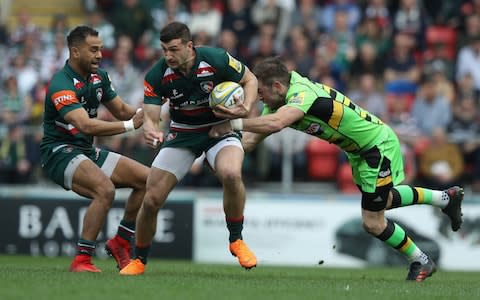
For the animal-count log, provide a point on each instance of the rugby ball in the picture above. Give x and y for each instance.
(223, 94)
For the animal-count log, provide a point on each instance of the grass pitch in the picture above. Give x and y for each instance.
(38, 278)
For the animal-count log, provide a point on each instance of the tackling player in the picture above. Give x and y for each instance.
(371, 146)
(69, 157)
(186, 75)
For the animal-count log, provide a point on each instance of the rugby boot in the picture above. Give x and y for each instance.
(245, 256)
(119, 249)
(83, 263)
(419, 272)
(454, 207)
(135, 267)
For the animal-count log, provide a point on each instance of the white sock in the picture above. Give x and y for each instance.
(440, 198)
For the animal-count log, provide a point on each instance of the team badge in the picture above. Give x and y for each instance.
(99, 93)
(171, 136)
(313, 129)
(206, 86)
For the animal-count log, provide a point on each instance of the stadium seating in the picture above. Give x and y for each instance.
(345, 179)
(322, 160)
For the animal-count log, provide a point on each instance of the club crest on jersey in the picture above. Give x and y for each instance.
(95, 79)
(171, 136)
(99, 93)
(206, 86)
(313, 128)
(78, 84)
(234, 63)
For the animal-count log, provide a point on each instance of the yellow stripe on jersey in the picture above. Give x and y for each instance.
(346, 101)
(326, 88)
(384, 181)
(336, 116)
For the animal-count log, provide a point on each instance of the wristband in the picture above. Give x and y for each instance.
(236, 124)
(129, 126)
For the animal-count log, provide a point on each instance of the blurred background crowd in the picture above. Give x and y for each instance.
(413, 63)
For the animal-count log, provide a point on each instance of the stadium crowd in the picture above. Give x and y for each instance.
(413, 63)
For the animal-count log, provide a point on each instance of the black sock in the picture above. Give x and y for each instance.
(235, 227)
(126, 230)
(142, 253)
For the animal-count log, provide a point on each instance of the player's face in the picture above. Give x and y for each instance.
(270, 95)
(90, 54)
(177, 53)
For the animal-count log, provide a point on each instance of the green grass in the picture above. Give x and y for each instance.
(47, 278)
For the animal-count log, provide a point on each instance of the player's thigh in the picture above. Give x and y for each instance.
(129, 173)
(90, 181)
(226, 156)
(176, 161)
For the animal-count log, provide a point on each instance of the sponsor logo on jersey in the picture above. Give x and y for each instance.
(313, 128)
(234, 63)
(78, 84)
(297, 98)
(169, 76)
(95, 79)
(63, 98)
(204, 69)
(176, 94)
(99, 93)
(206, 86)
(383, 174)
(148, 90)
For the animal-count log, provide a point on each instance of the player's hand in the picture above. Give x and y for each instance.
(138, 118)
(220, 130)
(239, 110)
(153, 138)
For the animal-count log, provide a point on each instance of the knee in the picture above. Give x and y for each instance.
(373, 226)
(230, 177)
(152, 203)
(105, 192)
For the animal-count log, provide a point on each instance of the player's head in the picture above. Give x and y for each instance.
(177, 44)
(85, 48)
(273, 81)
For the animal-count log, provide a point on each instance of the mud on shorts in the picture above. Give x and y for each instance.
(180, 149)
(376, 170)
(59, 162)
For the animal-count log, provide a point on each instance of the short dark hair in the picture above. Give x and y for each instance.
(175, 30)
(272, 69)
(79, 34)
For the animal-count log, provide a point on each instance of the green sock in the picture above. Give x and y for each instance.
(395, 237)
(404, 195)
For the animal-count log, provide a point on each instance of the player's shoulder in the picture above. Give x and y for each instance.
(61, 80)
(212, 55)
(156, 69)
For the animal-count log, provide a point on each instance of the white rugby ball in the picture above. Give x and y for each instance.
(223, 94)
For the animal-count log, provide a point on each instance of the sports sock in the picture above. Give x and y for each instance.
(141, 252)
(235, 227)
(85, 247)
(395, 237)
(404, 195)
(126, 230)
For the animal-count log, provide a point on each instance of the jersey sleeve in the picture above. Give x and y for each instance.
(233, 69)
(301, 99)
(63, 98)
(108, 90)
(151, 93)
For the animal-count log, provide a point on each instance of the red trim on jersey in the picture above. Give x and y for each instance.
(170, 77)
(148, 90)
(73, 131)
(196, 111)
(198, 129)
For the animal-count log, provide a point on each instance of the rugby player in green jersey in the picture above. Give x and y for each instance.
(69, 157)
(371, 146)
(186, 75)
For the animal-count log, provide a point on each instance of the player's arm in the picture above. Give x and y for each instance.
(151, 125)
(120, 109)
(94, 127)
(250, 140)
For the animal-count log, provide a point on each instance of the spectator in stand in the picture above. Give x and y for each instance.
(238, 20)
(262, 45)
(466, 88)
(345, 41)
(367, 95)
(14, 164)
(441, 163)
(439, 70)
(371, 31)
(377, 11)
(349, 7)
(469, 61)
(431, 110)
(308, 14)
(26, 75)
(300, 50)
(133, 19)
(54, 57)
(401, 70)
(14, 106)
(205, 20)
(464, 130)
(22, 28)
(367, 61)
(58, 25)
(274, 12)
(471, 29)
(96, 19)
(228, 40)
(172, 10)
(412, 19)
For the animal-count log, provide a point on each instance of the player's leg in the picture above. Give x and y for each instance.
(226, 157)
(88, 180)
(169, 167)
(126, 173)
